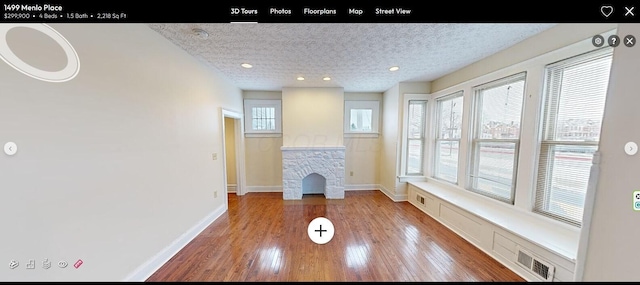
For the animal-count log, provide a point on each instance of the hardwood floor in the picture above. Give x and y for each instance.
(264, 238)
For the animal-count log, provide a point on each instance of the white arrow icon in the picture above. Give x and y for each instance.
(631, 148)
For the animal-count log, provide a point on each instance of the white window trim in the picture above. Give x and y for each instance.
(374, 105)
(251, 103)
(405, 130)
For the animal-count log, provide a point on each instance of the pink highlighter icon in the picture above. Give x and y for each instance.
(78, 263)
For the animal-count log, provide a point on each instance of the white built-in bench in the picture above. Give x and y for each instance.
(500, 229)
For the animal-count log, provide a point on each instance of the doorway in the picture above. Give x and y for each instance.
(233, 153)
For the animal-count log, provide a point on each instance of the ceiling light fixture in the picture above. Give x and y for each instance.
(246, 65)
(394, 68)
(326, 78)
(300, 78)
(200, 33)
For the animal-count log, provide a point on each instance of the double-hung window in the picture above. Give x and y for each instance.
(496, 137)
(415, 136)
(448, 134)
(574, 97)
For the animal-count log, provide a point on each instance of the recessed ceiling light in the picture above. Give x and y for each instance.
(246, 65)
(326, 78)
(200, 33)
(300, 78)
(394, 68)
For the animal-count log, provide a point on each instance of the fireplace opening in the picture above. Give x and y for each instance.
(314, 183)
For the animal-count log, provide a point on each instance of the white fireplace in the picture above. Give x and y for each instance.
(300, 162)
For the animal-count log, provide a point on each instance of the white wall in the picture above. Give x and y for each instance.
(264, 157)
(114, 165)
(362, 154)
(263, 161)
(312, 116)
(389, 143)
(262, 154)
(613, 239)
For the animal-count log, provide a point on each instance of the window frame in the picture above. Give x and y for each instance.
(249, 104)
(437, 139)
(476, 130)
(422, 139)
(548, 113)
(374, 105)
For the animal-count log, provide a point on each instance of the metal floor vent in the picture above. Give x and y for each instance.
(538, 267)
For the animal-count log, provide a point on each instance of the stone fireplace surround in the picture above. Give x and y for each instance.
(298, 162)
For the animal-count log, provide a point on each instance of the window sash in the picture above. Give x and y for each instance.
(420, 137)
(565, 162)
(359, 118)
(545, 180)
(420, 156)
(474, 163)
(445, 102)
(437, 169)
(263, 118)
(474, 175)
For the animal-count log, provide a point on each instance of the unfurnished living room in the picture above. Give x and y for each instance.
(208, 152)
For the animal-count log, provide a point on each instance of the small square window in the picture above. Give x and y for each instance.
(262, 117)
(361, 117)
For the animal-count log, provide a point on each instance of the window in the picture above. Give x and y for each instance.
(415, 136)
(575, 92)
(449, 124)
(361, 117)
(496, 137)
(262, 117)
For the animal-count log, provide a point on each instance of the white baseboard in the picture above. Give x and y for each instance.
(264, 188)
(231, 188)
(357, 187)
(393, 197)
(146, 269)
(352, 187)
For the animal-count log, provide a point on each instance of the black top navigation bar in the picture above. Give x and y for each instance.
(443, 11)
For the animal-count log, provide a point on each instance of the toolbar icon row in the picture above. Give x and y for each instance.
(613, 41)
(46, 264)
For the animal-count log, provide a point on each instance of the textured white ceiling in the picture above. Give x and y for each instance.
(355, 56)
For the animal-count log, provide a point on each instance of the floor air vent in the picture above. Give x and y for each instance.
(538, 267)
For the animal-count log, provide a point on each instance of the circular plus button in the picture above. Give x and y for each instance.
(320, 230)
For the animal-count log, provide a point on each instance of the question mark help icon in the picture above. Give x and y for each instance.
(614, 41)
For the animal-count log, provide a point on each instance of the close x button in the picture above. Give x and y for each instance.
(630, 11)
(629, 40)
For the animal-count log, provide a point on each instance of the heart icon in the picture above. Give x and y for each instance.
(606, 10)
